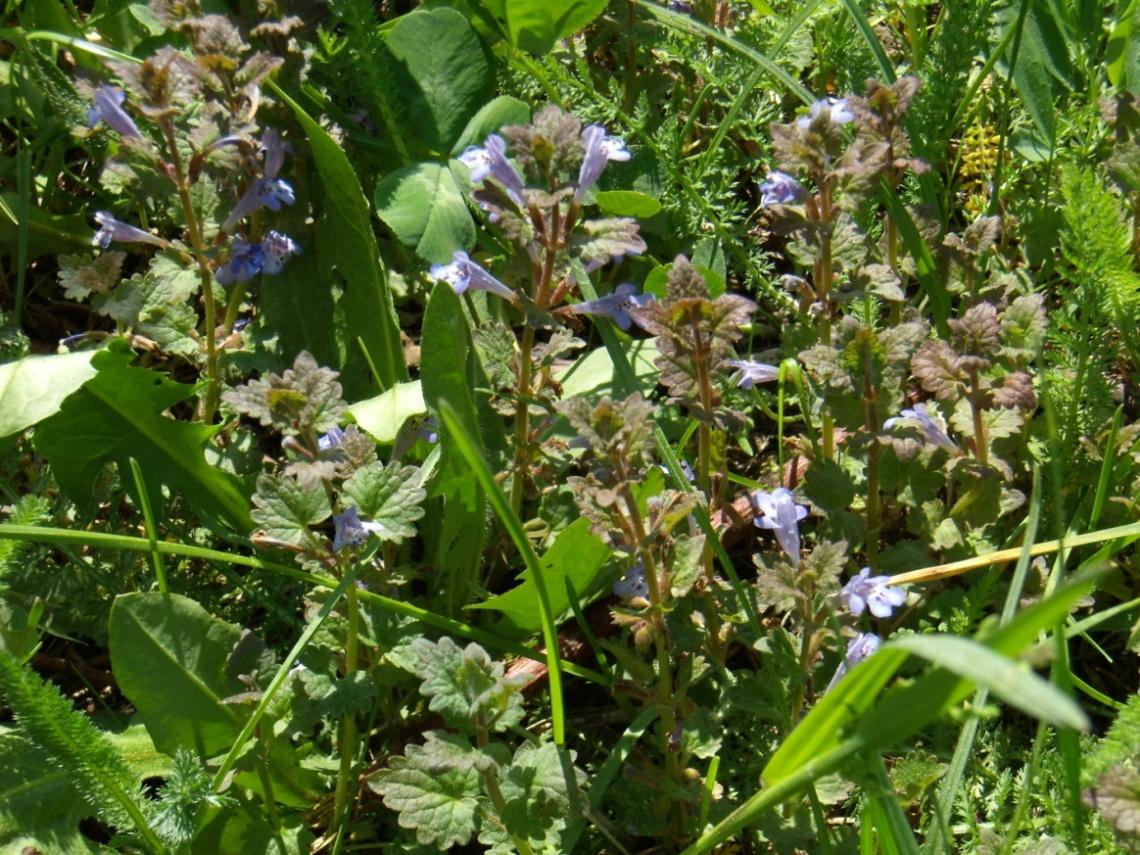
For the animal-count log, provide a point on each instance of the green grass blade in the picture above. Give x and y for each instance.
(101, 540)
(685, 24)
(282, 674)
(864, 27)
(514, 527)
(151, 527)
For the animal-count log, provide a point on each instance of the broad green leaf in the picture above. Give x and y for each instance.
(464, 683)
(535, 25)
(543, 793)
(1042, 62)
(627, 203)
(423, 206)
(118, 414)
(491, 118)
(33, 388)
(1016, 685)
(383, 416)
(1122, 56)
(40, 805)
(449, 372)
(593, 375)
(294, 316)
(284, 510)
(48, 234)
(238, 830)
(389, 496)
(577, 556)
(441, 808)
(442, 73)
(347, 243)
(171, 658)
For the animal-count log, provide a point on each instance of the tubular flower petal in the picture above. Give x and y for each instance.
(632, 584)
(108, 108)
(932, 430)
(246, 261)
(463, 273)
(615, 306)
(269, 193)
(781, 515)
(859, 648)
(351, 530)
(490, 161)
(837, 111)
(274, 149)
(866, 592)
(111, 229)
(278, 249)
(780, 189)
(749, 373)
(600, 150)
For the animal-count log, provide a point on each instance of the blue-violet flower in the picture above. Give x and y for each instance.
(600, 150)
(463, 273)
(864, 591)
(111, 229)
(858, 649)
(615, 306)
(108, 109)
(330, 441)
(780, 189)
(490, 161)
(837, 111)
(781, 515)
(932, 430)
(351, 530)
(632, 584)
(278, 249)
(246, 261)
(749, 373)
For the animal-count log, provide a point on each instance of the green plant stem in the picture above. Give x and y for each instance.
(233, 306)
(208, 403)
(874, 455)
(629, 99)
(491, 782)
(348, 726)
(807, 650)
(823, 281)
(981, 444)
(657, 600)
(522, 419)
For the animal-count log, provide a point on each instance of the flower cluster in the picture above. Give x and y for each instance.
(864, 592)
(248, 259)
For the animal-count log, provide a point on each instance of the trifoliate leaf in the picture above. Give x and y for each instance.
(465, 684)
(305, 398)
(389, 496)
(284, 509)
(440, 807)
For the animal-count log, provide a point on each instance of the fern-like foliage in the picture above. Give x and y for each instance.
(1097, 242)
(30, 510)
(1120, 746)
(75, 744)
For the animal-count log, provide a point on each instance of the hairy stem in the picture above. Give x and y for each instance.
(208, 403)
(981, 443)
(491, 783)
(824, 273)
(348, 726)
(871, 423)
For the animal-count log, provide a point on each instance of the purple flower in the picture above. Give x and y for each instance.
(269, 193)
(858, 649)
(463, 273)
(750, 373)
(782, 515)
(490, 161)
(111, 229)
(615, 306)
(865, 591)
(780, 189)
(932, 430)
(600, 150)
(837, 111)
(273, 149)
(246, 261)
(351, 530)
(632, 584)
(330, 441)
(108, 109)
(278, 249)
